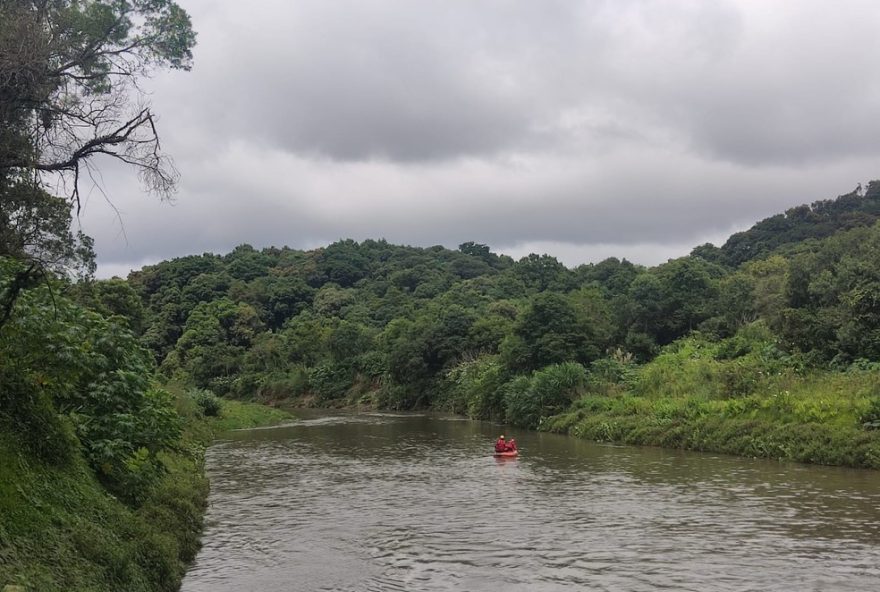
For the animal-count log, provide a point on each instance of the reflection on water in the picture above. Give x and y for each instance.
(378, 502)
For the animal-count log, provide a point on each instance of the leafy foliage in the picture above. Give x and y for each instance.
(56, 357)
(36, 226)
(547, 392)
(816, 221)
(206, 401)
(478, 333)
(469, 330)
(65, 71)
(476, 388)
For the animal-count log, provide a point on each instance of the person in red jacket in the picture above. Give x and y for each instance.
(500, 444)
(511, 445)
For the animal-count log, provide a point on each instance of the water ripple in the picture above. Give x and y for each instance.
(380, 502)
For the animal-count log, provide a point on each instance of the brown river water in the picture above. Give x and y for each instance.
(375, 502)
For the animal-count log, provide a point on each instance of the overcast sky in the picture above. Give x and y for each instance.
(630, 128)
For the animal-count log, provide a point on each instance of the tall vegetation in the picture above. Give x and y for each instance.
(519, 341)
(102, 485)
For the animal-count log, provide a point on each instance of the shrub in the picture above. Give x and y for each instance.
(396, 396)
(28, 412)
(372, 364)
(207, 402)
(281, 385)
(870, 419)
(557, 385)
(519, 405)
(58, 358)
(616, 372)
(329, 381)
(475, 387)
(738, 380)
(547, 392)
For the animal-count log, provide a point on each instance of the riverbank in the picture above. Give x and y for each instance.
(692, 397)
(60, 530)
(684, 425)
(696, 395)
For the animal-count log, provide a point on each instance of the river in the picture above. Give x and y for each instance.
(384, 502)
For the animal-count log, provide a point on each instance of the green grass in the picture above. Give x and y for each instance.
(236, 415)
(694, 397)
(60, 530)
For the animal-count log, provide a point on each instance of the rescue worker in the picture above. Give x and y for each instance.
(500, 444)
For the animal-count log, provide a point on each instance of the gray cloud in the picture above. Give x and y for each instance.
(633, 123)
(503, 203)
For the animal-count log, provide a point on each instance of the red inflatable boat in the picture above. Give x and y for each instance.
(508, 454)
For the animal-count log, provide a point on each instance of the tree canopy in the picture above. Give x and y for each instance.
(69, 73)
(411, 326)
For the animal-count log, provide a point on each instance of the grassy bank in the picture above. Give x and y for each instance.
(706, 397)
(60, 530)
(237, 415)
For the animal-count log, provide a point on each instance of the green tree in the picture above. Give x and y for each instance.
(275, 297)
(343, 263)
(669, 301)
(331, 300)
(246, 263)
(68, 74)
(347, 341)
(212, 346)
(204, 287)
(478, 250)
(68, 82)
(305, 337)
(36, 227)
(113, 298)
(550, 331)
(832, 291)
(475, 388)
(613, 275)
(542, 272)
(59, 358)
(528, 399)
(819, 220)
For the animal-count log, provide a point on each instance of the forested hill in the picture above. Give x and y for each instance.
(818, 220)
(402, 327)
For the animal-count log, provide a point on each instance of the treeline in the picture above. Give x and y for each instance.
(470, 331)
(815, 221)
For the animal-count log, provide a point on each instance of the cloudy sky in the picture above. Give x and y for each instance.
(631, 128)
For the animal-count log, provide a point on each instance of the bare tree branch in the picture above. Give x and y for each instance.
(67, 79)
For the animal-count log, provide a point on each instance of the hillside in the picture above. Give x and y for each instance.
(802, 223)
(518, 341)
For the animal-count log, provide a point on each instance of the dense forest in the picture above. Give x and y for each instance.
(397, 323)
(469, 331)
(766, 346)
